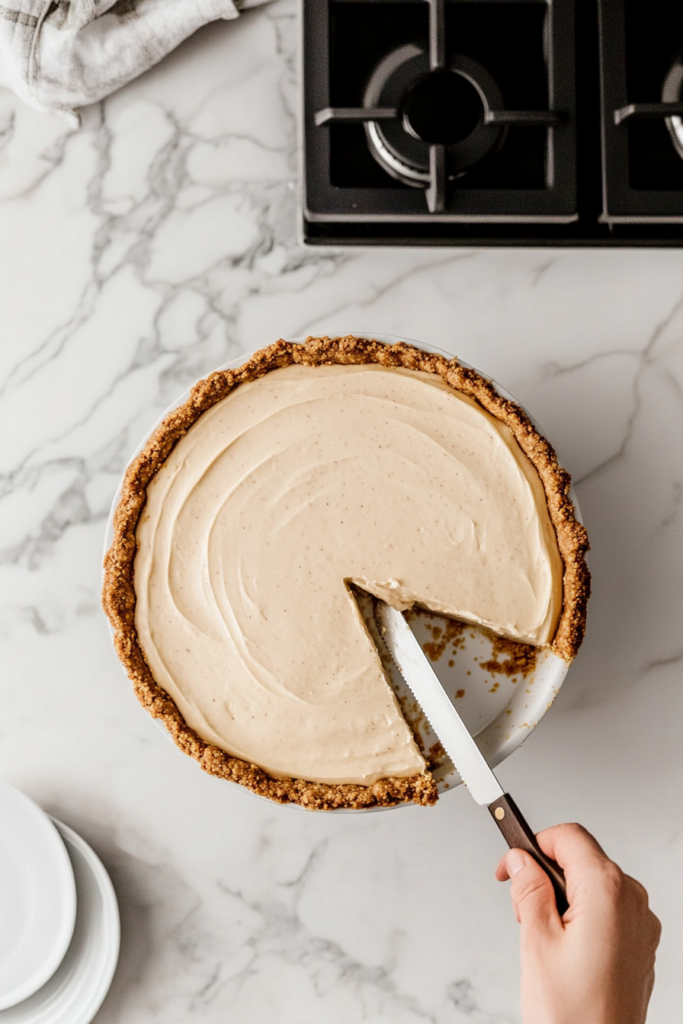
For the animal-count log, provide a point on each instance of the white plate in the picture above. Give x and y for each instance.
(501, 717)
(37, 897)
(75, 992)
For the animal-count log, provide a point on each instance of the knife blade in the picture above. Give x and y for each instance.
(459, 743)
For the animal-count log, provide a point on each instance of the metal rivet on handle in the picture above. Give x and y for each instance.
(499, 813)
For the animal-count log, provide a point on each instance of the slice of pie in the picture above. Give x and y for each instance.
(255, 507)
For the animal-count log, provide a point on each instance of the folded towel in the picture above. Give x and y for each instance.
(62, 54)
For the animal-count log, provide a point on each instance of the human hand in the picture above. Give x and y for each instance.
(595, 965)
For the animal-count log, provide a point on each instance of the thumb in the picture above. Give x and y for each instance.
(532, 892)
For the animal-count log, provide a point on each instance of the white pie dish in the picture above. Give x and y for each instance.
(501, 716)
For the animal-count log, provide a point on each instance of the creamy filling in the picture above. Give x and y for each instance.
(280, 495)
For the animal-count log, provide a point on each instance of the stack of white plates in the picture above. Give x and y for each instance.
(59, 919)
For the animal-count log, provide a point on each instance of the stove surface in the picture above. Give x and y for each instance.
(493, 122)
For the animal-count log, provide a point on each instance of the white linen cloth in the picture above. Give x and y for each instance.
(58, 55)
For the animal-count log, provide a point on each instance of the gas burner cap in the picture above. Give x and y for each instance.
(672, 92)
(445, 107)
(442, 107)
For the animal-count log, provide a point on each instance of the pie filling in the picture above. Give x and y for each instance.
(279, 496)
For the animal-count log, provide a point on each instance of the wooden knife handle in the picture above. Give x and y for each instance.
(518, 835)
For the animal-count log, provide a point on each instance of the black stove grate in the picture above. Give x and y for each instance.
(372, 56)
(442, 92)
(642, 44)
(493, 122)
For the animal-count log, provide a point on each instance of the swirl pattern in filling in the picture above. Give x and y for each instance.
(279, 496)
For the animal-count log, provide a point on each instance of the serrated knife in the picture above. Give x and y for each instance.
(459, 744)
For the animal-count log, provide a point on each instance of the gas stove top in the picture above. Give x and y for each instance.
(493, 122)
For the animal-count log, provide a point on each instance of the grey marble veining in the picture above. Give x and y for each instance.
(138, 253)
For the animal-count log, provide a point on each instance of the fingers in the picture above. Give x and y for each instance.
(569, 844)
(590, 873)
(656, 926)
(532, 893)
(502, 873)
(593, 880)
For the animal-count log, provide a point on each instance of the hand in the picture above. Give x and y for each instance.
(596, 964)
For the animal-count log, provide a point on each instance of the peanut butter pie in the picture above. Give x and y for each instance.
(257, 504)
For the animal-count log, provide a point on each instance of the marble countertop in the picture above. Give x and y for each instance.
(156, 242)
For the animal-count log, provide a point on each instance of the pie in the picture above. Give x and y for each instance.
(257, 507)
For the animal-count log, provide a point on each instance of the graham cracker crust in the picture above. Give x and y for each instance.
(119, 590)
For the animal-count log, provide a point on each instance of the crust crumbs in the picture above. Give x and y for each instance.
(118, 595)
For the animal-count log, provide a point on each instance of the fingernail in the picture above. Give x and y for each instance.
(514, 862)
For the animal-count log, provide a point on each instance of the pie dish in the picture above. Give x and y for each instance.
(330, 737)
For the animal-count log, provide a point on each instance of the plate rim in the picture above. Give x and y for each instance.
(112, 920)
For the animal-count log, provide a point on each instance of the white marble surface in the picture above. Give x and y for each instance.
(138, 253)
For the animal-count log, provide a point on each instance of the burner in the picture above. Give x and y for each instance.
(672, 91)
(443, 107)
(441, 112)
